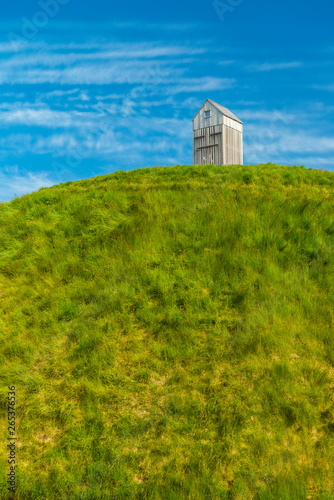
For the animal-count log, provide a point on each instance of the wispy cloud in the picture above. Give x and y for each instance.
(97, 63)
(21, 144)
(329, 87)
(204, 84)
(12, 183)
(122, 137)
(265, 115)
(274, 66)
(86, 74)
(281, 143)
(307, 143)
(41, 116)
(53, 55)
(318, 162)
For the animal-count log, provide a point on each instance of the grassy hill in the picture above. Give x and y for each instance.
(169, 333)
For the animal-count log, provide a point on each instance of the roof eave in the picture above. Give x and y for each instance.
(222, 112)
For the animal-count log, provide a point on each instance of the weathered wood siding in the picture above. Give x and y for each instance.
(208, 145)
(218, 139)
(233, 150)
(216, 117)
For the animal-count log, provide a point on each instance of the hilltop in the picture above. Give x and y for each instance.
(169, 332)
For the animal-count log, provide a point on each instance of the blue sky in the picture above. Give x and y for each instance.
(88, 88)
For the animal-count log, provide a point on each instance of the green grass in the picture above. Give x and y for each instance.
(170, 335)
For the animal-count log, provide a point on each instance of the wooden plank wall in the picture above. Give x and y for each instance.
(218, 145)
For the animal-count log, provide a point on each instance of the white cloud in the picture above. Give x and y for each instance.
(128, 63)
(316, 162)
(307, 143)
(266, 115)
(42, 116)
(62, 27)
(226, 63)
(107, 138)
(274, 66)
(21, 144)
(282, 144)
(60, 93)
(122, 72)
(16, 184)
(49, 57)
(329, 87)
(109, 97)
(203, 84)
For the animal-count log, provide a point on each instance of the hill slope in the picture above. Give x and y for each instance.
(169, 332)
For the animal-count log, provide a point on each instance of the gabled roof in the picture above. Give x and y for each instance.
(220, 108)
